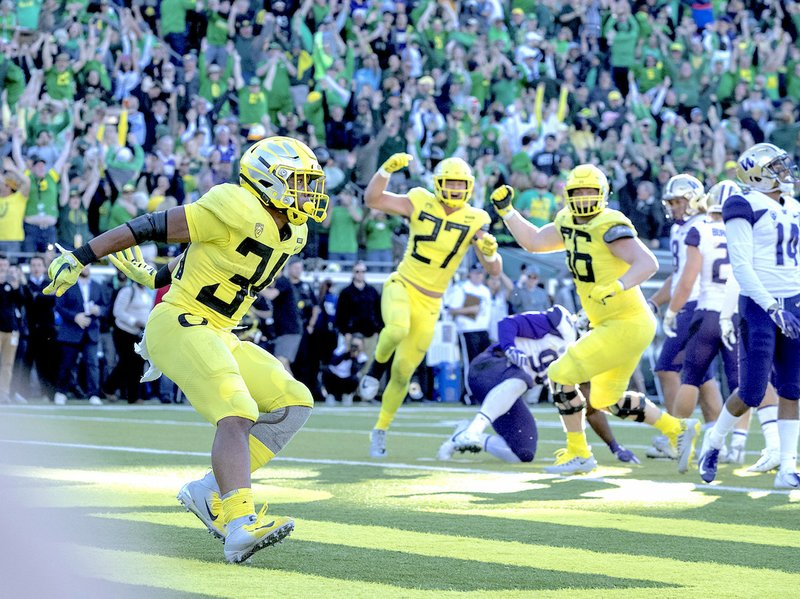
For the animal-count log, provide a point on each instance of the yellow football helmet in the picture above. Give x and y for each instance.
(711, 203)
(453, 169)
(587, 176)
(764, 167)
(682, 194)
(283, 173)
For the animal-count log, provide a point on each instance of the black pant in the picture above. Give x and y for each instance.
(337, 386)
(69, 358)
(38, 353)
(129, 368)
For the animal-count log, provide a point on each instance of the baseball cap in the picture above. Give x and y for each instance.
(676, 47)
(128, 187)
(254, 81)
(730, 164)
(517, 11)
(427, 79)
(614, 95)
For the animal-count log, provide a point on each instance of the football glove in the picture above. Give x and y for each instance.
(517, 357)
(131, 263)
(669, 323)
(786, 321)
(63, 272)
(487, 245)
(501, 198)
(581, 321)
(728, 333)
(396, 162)
(600, 293)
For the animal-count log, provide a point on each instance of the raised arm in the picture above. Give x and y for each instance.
(528, 236)
(376, 196)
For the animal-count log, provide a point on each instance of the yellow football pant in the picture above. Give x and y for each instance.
(607, 357)
(409, 318)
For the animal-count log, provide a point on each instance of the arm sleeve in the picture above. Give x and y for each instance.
(730, 303)
(740, 249)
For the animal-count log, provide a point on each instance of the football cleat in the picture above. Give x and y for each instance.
(347, 400)
(707, 464)
(683, 443)
(262, 531)
(787, 479)
(368, 387)
(460, 441)
(769, 460)
(626, 455)
(661, 449)
(377, 443)
(570, 463)
(205, 504)
(60, 399)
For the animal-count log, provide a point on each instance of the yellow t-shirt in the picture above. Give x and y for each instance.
(235, 251)
(437, 241)
(12, 213)
(591, 263)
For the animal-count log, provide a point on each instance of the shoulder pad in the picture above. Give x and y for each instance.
(737, 206)
(616, 232)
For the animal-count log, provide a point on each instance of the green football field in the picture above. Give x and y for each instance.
(93, 492)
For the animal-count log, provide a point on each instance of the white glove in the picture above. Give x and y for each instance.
(669, 323)
(517, 357)
(728, 333)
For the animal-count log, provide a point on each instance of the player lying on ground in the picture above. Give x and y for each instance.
(500, 376)
(608, 263)
(240, 235)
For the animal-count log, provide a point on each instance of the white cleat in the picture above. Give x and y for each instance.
(95, 401)
(60, 399)
(787, 479)
(368, 387)
(460, 441)
(567, 463)
(377, 443)
(262, 531)
(661, 449)
(769, 460)
(205, 504)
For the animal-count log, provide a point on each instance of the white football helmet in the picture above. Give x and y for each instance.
(765, 166)
(681, 195)
(712, 202)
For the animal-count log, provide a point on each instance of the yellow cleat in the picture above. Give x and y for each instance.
(262, 531)
(568, 462)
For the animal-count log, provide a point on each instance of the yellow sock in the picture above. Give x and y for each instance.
(237, 503)
(576, 444)
(668, 424)
(393, 397)
(260, 454)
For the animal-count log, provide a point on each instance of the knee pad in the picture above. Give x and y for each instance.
(396, 332)
(570, 402)
(275, 429)
(631, 404)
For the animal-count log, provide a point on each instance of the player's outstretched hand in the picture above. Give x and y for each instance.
(63, 272)
(487, 245)
(517, 357)
(501, 198)
(131, 263)
(786, 321)
(600, 293)
(728, 333)
(395, 162)
(669, 323)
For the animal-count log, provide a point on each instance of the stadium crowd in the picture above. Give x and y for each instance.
(115, 108)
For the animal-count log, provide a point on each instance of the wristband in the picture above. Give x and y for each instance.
(492, 258)
(85, 255)
(163, 277)
(384, 173)
(509, 215)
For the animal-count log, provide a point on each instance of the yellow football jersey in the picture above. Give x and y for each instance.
(591, 262)
(437, 241)
(236, 250)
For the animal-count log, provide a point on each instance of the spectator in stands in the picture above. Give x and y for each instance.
(10, 304)
(528, 295)
(14, 191)
(379, 233)
(359, 310)
(342, 223)
(340, 378)
(470, 304)
(41, 331)
(288, 322)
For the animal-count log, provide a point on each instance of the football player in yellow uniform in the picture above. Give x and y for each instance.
(240, 236)
(608, 263)
(442, 227)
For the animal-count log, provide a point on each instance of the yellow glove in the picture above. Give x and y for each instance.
(63, 272)
(395, 163)
(501, 198)
(487, 245)
(131, 263)
(600, 293)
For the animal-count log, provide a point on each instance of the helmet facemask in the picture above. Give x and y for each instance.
(586, 204)
(783, 169)
(454, 197)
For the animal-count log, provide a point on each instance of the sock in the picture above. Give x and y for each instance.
(260, 454)
(768, 417)
(478, 424)
(576, 443)
(237, 504)
(724, 424)
(210, 481)
(789, 430)
(497, 446)
(668, 424)
(738, 438)
(393, 397)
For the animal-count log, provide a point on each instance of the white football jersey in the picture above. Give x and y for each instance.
(679, 238)
(775, 233)
(716, 265)
(548, 347)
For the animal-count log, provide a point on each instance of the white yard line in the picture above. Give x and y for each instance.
(396, 466)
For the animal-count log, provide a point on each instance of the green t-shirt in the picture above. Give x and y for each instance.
(252, 106)
(43, 198)
(217, 32)
(649, 77)
(173, 15)
(72, 223)
(113, 215)
(60, 86)
(28, 13)
(13, 80)
(343, 233)
(540, 205)
(687, 90)
(379, 233)
(623, 49)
